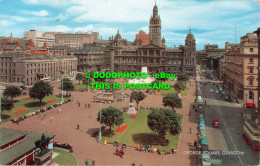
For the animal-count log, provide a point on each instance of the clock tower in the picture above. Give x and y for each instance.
(155, 27)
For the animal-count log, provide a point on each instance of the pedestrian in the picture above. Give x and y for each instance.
(117, 151)
(85, 105)
(190, 130)
(78, 126)
(79, 104)
(193, 106)
(52, 119)
(195, 143)
(88, 105)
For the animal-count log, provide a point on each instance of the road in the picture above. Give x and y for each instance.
(227, 138)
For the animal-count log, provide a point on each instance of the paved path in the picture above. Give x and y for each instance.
(86, 147)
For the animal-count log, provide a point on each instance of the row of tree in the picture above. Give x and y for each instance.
(38, 91)
(159, 121)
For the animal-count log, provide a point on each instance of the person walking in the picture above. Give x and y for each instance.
(78, 126)
(117, 151)
(85, 105)
(195, 143)
(190, 130)
(79, 104)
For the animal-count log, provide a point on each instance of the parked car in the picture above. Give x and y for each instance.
(215, 123)
(217, 92)
(211, 91)
(199, 98)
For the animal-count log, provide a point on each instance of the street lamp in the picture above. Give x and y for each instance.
(0, 104)
(62, 86)
(100, 117)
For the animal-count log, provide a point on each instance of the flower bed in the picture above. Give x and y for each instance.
(52, 100)
(28, 98)
(18, 112)
(75, 85)
(134, 116)
(121, 128)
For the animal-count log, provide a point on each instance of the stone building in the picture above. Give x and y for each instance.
(122, 56)
(39, 38)
(27, 69)
(89, 58)
(76, 40)
(241, 69)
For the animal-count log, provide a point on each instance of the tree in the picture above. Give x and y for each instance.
(137, 96)
(87, 81)
(155, 82)
(161, 79)
(79, 77)
(179, 85)
(98, 79)
(40, 90)
(12, 91)
(111, 116)
(41, 143)
(6, 104)
(183, 77)
(68, 85)
(172, 100)
(161, 121)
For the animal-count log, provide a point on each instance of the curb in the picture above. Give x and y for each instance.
(70, 153)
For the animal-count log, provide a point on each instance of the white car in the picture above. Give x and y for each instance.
(217, 91)
(199, 97)
(211, 91)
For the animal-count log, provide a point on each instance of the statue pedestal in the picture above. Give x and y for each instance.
(131, 109)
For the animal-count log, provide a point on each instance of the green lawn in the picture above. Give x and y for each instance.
(64, 157)
(138, 132)
(83, 86)
(31, 106)
(173, 91)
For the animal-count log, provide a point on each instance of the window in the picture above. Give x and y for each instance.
(251, 50)
(251, 82)
(251, 95)
(251, 70)
(251, 60)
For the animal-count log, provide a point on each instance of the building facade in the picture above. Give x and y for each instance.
(242, 69)
(89, 58)
(39, 38)
(122, 56)
(27, 69)
(76, 40)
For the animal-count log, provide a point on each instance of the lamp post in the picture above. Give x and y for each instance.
(62, 86)
(88, 84)
(0, 104)
(100, 135)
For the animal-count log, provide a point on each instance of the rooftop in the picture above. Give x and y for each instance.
(21, 148)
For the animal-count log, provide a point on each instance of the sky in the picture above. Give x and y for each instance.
(211, 21)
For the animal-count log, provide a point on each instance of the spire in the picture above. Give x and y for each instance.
(118, 31)
(190, 31)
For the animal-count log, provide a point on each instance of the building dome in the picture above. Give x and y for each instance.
(118, 36)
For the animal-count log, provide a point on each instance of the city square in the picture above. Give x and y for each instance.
(118, 92)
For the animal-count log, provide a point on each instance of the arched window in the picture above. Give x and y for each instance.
(251, 95)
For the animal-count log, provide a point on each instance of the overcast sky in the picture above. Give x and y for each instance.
(211, 21)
